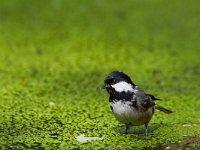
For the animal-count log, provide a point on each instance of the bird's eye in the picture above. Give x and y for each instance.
(114, 81)
(110, 81)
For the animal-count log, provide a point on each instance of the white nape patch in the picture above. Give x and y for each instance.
(123, 87)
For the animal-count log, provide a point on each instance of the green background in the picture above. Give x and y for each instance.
(57, 52)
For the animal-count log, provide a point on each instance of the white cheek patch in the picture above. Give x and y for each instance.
(123, 87)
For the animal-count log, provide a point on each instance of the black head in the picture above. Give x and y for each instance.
(116, 77)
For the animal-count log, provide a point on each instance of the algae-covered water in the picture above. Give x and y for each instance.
(55, 54)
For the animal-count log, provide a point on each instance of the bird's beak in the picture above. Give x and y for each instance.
(104, 86)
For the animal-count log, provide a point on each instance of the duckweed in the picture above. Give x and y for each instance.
(55, 55)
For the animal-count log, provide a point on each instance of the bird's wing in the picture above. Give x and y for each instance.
(165, 110)
(144, 99)
(147, 102)
(161, 108)
(153, 97)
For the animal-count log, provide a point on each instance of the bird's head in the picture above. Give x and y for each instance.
(118, 82)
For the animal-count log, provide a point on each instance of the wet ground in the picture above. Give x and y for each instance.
(188, 143)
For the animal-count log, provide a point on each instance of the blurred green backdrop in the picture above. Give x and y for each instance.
(59, 51)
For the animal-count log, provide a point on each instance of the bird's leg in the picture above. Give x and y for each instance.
(126, 130)
(146, 130)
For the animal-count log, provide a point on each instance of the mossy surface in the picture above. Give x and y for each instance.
(55, 54)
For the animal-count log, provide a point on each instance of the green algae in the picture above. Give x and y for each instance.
(58, 52)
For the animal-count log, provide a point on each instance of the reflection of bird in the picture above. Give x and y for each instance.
(130, 105)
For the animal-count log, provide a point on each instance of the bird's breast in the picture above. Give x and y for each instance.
(129, 114)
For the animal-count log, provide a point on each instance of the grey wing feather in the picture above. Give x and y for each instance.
(153, 97)
(148, 101)
(161, 108)
(145, 100)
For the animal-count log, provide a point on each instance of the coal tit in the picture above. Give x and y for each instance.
(130, 104)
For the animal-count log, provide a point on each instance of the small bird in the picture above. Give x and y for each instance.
(130, 104)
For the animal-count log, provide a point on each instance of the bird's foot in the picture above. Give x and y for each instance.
(126, 130)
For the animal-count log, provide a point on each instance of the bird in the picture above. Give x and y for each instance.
(128, 102)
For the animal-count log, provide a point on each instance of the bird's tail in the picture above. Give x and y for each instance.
(165, 110)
